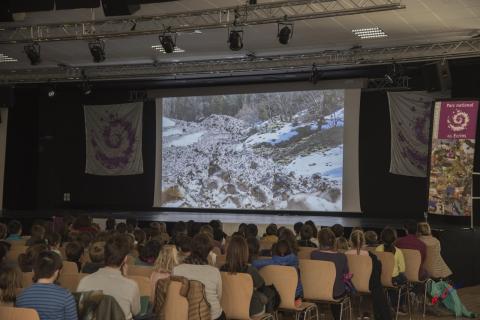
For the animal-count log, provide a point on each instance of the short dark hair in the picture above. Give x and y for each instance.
(140, 236)
(253, 248)
(45, 265)
(371, 238)
(149, 252)
(132, 222)
(297, 227)
(14, 227)
(97, 252)
(411, 227)
(201, 247)
(337, 230)
(74, 251)
(282, 248)
(272, 229)
(110, 224)
(121, 228)
(82, 222)
(215, 224)
(306, 233)
(184, 243)
(252, 230)
(326, 239)
(116, 249)
(53, 238)
(218, 235)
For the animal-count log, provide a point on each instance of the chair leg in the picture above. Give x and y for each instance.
(409, 302)
(341, 311)
(398, 302)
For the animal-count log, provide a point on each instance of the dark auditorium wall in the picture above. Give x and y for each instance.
(46, 155)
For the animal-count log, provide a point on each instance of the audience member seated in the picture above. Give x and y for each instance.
(315, 231)
(288, 235)
(208, 230)
(148, 253)
(411, 241)
(14, 228)
(271, 233)
(9, 282)
(306, 234)
(74, 252)
(27, 259)
(54, 241)
(338, 230)
(283, 255)
(388, 237)
(83, 224)
(37, 235)
(326, 252)
(132, 224)
(196, 267)
(85, 238)
(237, 261)
(297, 227)
(254, 249)
(111, 279)
(184, 245)
(440, 268)
(97, 258)
(163, 268)
(121, 228)
(341, 244)
(110, 225)
(140, 237)
(3, 231)
(357, 240)
(251, 231)
(371, 239)
(51, 301)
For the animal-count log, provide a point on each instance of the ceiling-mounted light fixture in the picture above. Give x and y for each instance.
(33, 53)
(285, 32)
(85, 87)
(97, 50)
(51, 90)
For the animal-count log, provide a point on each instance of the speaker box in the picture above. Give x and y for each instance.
(76, 4)
(29, 5)
(436, 76)
(7, 97)
(120, 7)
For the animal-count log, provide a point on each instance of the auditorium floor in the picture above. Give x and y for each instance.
(470, 297)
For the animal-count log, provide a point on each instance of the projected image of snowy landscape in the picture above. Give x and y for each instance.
(281, 151)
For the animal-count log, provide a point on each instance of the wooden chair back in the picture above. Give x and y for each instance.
(305, 252)
(11, 313)
(388, 262)
(69, 267)
(139, 271)
(361, 268)
(237, 291)
(15, 251)
(413, 261)
(143, 284)
(285, 280)
(70, 281)
(176, 305)
(27, 279)
(318, 278)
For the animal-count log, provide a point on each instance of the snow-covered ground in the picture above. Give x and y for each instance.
(220, 162)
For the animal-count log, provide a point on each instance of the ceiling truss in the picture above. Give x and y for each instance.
(194, 20)
(323, 60)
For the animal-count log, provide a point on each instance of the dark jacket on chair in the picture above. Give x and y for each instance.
(381, 307)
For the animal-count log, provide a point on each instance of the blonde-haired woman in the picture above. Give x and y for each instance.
(163, 267)
(357, 242)
(434, 263)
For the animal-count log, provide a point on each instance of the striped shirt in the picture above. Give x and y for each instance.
(49, 300)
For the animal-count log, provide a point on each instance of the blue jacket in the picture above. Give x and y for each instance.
(288, 260)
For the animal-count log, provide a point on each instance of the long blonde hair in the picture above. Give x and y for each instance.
(423, 229)
(167, 259)
(357, 239)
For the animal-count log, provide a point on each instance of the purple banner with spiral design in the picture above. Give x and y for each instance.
(452, 157)
(114, 139)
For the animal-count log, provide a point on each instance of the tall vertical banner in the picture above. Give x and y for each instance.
(452, 157)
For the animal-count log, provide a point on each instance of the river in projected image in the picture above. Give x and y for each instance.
(265, 151)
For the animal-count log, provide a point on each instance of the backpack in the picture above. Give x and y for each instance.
(273, 298)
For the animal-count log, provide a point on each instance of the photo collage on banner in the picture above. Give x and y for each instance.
(452, 157)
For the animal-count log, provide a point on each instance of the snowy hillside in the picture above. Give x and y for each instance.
(222, 161)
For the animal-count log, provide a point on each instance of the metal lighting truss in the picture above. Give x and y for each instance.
(271, 64)
(189, 21)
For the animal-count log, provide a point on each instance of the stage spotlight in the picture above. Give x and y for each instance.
(97, 49)
(285, 32)
(51, 91)
(235, 40)
(33, 53)
(86, 88)
(168, 43)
